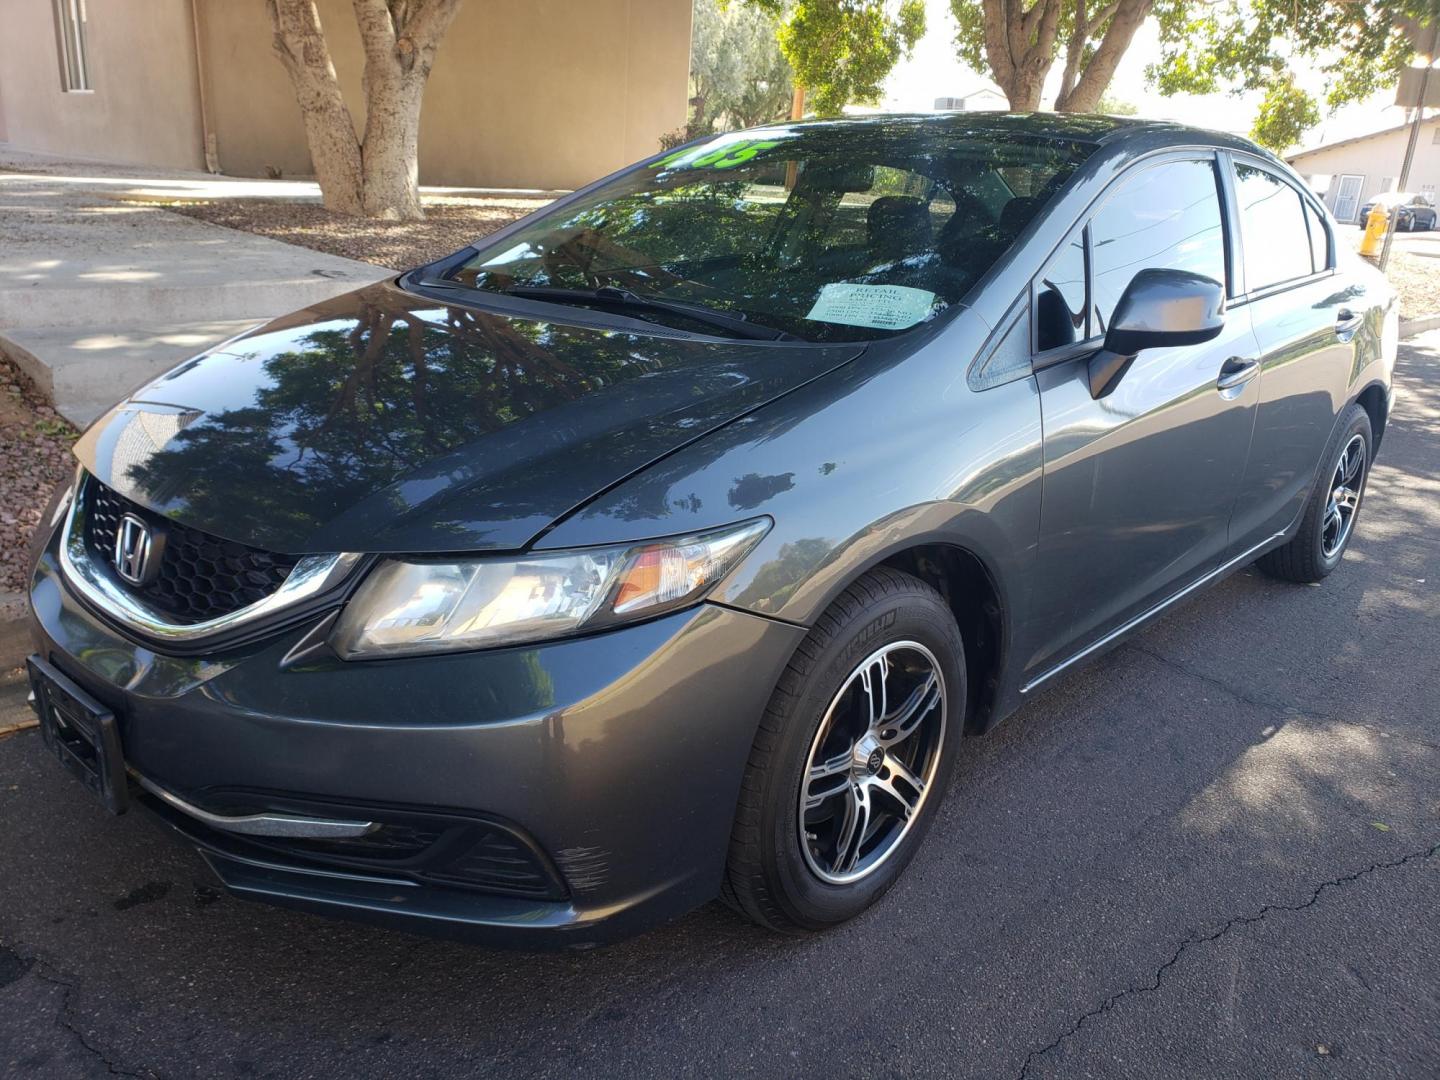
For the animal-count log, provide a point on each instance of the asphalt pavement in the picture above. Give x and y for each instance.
(1216, 852)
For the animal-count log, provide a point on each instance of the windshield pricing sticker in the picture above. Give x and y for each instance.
(727, 156)
(882, 307)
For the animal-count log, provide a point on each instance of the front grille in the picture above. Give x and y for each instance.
(201, 576)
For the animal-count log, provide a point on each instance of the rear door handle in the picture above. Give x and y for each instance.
(1236, 372)
(1346, 323)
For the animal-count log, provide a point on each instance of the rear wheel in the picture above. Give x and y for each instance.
(1329, 518)
(851, 759)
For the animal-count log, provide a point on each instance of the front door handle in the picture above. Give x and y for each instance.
(1346, 323)
(1236, 372)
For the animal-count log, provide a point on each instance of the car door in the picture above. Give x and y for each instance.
(1139, 484)
(1305, 315)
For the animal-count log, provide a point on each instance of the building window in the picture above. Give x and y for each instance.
(70, 29)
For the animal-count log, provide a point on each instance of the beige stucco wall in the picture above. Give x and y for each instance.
(1378, 159)
(527, 93)
(142, 68)
(530, 93)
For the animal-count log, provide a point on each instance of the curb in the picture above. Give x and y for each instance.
(15, 729)
(14, 633)
(1419, 325)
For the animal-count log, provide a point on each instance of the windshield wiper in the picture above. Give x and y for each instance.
(610, 296)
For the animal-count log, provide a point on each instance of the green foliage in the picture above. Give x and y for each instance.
(969, 32)
(1360, 46)
(1286, 114)
(1113, 106)
(1092, 36)
(841, 50)
(739, 76)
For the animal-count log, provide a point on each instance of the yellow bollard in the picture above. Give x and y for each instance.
(1375, 226)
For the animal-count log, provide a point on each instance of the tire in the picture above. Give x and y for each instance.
(1314, 552)
(776, 862)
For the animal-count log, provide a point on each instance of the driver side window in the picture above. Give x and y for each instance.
(1166, 216)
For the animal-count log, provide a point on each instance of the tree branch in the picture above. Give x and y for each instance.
(1128, 16)
(1074, 49)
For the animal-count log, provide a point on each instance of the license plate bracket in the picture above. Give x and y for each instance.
(81, 732)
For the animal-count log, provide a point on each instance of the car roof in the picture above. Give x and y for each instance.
(1080, 127)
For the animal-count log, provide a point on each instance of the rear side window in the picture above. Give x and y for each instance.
(1272, 224)
(1319, 239)
(1166, 216)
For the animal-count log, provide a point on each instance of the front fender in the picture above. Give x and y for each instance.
(884, 455)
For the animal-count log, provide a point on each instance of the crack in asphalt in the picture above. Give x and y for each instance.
(63, 1021)
(1196, 940)
(1270, 704)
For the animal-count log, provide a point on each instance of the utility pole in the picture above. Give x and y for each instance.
(797, 112)
(1414, 132)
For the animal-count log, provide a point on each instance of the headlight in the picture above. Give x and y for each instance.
(409, 606)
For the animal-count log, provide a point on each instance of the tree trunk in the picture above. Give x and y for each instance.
(334, 150)
(1022, 90)
(401, 38)
(1095, 79)
(391, 151)
(377, 175)
(1020, 47)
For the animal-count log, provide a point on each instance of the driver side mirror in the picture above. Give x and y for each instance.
(1158, 308)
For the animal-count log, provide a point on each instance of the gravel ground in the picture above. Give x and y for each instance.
(1417, 280)
(34, 458)
(451, 224)
(1416, 276)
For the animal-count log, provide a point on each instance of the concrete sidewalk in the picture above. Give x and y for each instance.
(99, 294)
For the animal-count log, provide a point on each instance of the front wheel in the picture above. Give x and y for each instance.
(851, 759)
(1329, 517)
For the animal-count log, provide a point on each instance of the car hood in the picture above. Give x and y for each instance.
(383, 421)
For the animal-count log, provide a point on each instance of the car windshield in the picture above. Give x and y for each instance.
(831, 231)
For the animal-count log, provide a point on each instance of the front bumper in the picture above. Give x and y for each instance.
(614, 760)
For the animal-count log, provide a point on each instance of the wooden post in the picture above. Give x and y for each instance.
(797, 112)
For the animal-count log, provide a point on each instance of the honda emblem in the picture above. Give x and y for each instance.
(134, 550)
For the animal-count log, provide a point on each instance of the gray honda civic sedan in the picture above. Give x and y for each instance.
(669, 543)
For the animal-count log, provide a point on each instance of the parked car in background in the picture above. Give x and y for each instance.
(1408, 212)
(667, 543)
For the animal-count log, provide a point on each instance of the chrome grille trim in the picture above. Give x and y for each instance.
(282, 825)
(312, 576)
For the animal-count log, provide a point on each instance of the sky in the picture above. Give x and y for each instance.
(934, 71)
